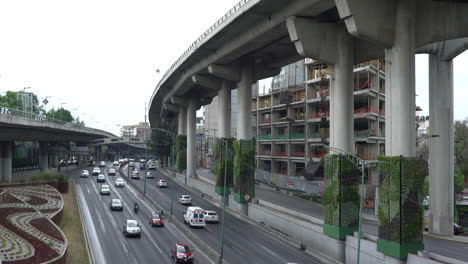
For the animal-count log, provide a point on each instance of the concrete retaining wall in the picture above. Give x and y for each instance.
(369, 254)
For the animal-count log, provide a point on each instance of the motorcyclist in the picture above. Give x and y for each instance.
(135, 207)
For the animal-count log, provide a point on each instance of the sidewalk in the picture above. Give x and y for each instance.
(270, 195)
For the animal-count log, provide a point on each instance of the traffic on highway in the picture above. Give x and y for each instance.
(121, 224)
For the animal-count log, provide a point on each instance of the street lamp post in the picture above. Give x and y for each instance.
(61, 110)
(173, 172)
(221, 250)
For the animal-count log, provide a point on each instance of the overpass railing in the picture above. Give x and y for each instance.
(203, 36)
(43, 118)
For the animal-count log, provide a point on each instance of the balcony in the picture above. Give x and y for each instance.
(322, 114)
(297, 136)
(281, 153)
(264, 137)
(266, 121)
(365, 133)
(298, 154)
(365, 110)
(284, 136)
(324, 134)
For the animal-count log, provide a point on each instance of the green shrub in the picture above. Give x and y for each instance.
(244, 169)
(220, 162)
(49, 176)
(341, 197)
(181, 153)
(400, 210)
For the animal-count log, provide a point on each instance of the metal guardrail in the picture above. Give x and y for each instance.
(205, 34)
(43, 118)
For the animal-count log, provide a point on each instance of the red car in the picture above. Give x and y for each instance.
(156, 219)
(181, 254)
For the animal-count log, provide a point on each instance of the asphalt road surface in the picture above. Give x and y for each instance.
(104, 227)
(244, 242)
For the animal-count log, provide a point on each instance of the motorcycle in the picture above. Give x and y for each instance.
(135, 209)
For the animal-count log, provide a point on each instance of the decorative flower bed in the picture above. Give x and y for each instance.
(27, 234)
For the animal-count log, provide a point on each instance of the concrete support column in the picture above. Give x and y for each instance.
(341, 96)
(191, 138)
(400, 85)
(224, 109)
(244, 103)
(441, 147)
(182, 121)
(43, 156)
(6, 156)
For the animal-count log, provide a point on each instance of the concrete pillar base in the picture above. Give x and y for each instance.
(6, 155)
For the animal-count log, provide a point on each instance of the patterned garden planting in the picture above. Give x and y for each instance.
(27, 233)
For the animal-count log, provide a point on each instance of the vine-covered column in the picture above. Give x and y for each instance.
(221, 165)
(341, 197)
(400, 210)
(244, 170)
(181, 153)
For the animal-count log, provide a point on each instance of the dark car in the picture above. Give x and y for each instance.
(457, 230)
(116, 205)
(91, 163)
(156, 219)
(101, 178)
(181, 254)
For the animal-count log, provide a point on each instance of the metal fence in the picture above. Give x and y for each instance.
(294, 183)
(39, 117)
(205, 34)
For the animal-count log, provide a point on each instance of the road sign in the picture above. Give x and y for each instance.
(45, 101)
(247, 197)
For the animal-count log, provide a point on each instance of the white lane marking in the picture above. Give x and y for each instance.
(96, 249)
(87, 189)
(283, 260)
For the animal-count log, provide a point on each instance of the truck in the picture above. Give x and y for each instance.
(194, 217)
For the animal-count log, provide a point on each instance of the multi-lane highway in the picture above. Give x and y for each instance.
(104, 227)
(244, 242)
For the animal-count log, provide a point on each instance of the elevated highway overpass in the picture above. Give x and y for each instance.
(17, 125)
(257, 37)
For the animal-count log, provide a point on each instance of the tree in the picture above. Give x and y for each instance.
(60, 114)
(459, 181)
(461, 145)
(161, 144)
(10, 100)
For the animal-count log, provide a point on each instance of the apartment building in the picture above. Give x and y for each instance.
(291, 123)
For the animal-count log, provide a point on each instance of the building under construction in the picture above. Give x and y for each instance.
(291, 123)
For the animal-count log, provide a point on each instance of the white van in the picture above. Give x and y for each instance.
(194, 217)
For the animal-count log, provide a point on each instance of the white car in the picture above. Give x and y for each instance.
(105, 189)
(211, 216)
(119, 183)
(131, 164)
(162, 183)
(149, 174)
(132, 228)
(116, 163)
(84, 174)
(96, 171)
(185, 199)
(135, 174)
(111, 172)
(102, 164)
(151, 166)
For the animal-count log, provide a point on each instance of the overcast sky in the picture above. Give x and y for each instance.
(100, 56)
